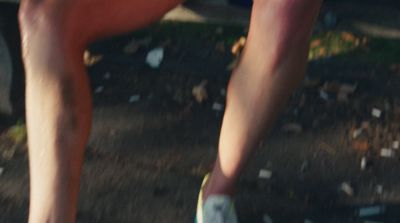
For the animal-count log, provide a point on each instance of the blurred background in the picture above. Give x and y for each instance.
(159, 97)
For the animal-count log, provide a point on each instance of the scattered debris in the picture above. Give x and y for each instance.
(376, 112)
(1, 171)
(371, 211)
(315, 43)
(134, 45)
(363, 163)
(348, 37)
(379, 189)
(107, 76)
(155, 57)
(357, 133)
(324, 95)
(360, 144)
(267, 219)
(347, 189)
(99, 89)
(238, 46)
(265, 174)
(344, 91)
(387, 153)
(134, 98)
(89, 59)
(199, 92)
(396, 144)
(217, 106)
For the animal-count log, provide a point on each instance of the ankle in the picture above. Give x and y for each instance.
(215, 187)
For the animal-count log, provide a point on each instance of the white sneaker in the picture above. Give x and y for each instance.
(216, 209)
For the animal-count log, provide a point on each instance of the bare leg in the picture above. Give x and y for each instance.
(272, 65)
(54, 34)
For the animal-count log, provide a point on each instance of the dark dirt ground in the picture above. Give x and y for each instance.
(145, 160)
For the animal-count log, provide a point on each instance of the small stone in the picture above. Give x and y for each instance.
(324, 95)
(99, 89)
(363, 163)
(308, 221)
(155, 57)
(396, 144)
(347, 189)
(265, 174)
(134, 98)
(371, 211)
(199, 92)
(1, 171)
(388, 153)
(357, 133)
(376, 113)
(223, 92)
(107, 76)
(267, 219)
(379, 189)
(217, 106)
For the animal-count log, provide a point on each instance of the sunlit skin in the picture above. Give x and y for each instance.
(55, 34)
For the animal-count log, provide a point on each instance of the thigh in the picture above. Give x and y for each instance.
(87, 20)
(101, 18)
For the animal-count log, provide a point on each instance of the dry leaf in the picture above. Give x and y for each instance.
(360, 144)
(346, 36)
(133, 46)
(238, 46)
(200, 92)
(315, 43)
(90, 60)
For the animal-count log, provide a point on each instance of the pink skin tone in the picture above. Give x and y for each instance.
(55, 34)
